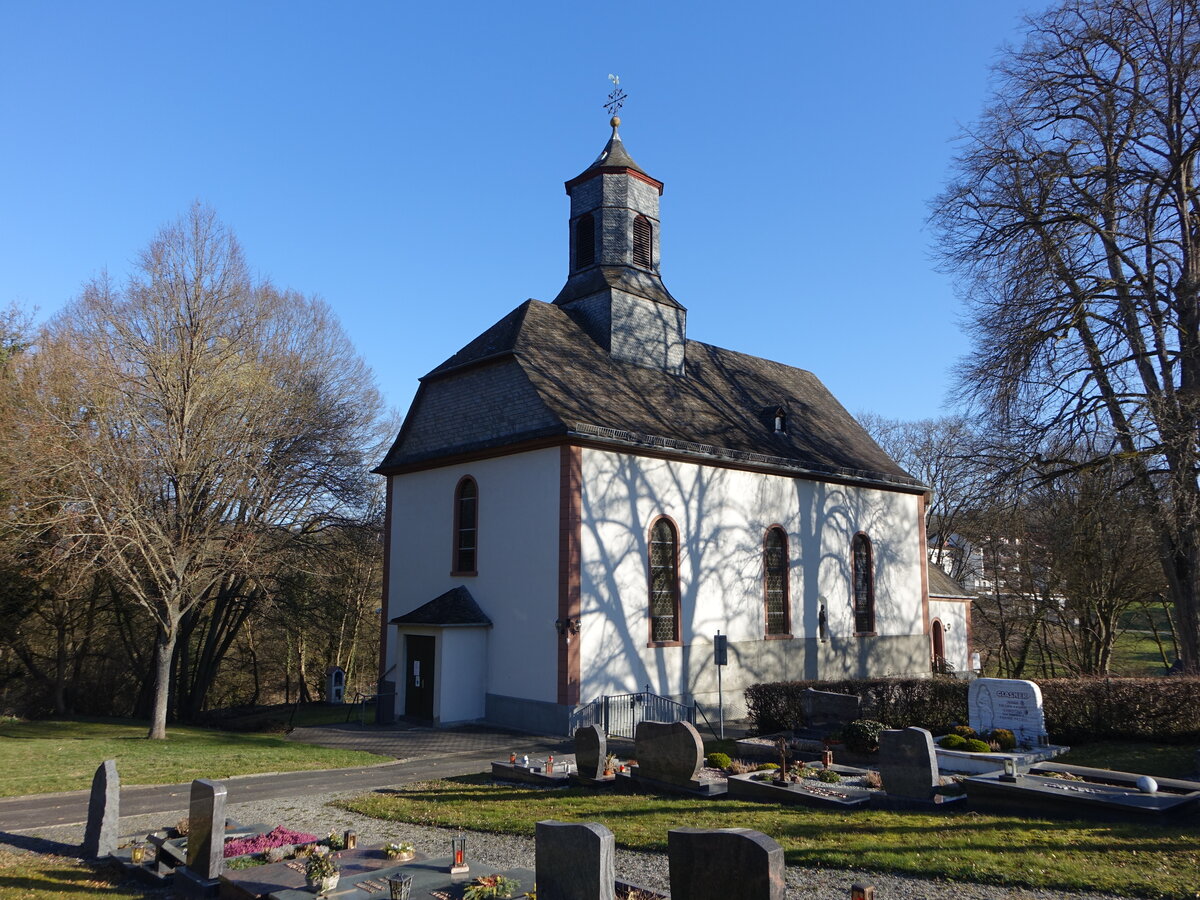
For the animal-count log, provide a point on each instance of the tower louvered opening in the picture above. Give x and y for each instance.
(643, 243)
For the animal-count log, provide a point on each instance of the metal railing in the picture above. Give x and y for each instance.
(619, 714)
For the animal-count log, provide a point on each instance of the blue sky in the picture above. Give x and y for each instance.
(406, 161)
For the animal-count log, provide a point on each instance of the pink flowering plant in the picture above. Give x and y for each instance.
(260, 843)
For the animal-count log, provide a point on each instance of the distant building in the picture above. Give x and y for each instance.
(581, 498)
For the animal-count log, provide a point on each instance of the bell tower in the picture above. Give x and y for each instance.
(613, 286)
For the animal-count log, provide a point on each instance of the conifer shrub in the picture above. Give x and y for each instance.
(718, 761)
(862, 735)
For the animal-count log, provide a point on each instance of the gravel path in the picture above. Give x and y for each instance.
(313, 814)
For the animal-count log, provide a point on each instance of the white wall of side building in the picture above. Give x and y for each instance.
(517, 566)
(953, 616)
(722, 515)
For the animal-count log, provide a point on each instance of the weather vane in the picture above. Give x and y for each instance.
(617, 98)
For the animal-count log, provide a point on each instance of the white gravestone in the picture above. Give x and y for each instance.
(1008, 703)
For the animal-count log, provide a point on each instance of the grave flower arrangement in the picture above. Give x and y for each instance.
(486, 887)
(322, 872)
(260, 843)
(398, 850)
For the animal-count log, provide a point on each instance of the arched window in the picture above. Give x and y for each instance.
(466, 520)
(864, 585)
(643, 242)
(664, 582)
(585, 241)
(775, 580)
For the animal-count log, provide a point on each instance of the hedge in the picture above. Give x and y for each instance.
(1077, 709)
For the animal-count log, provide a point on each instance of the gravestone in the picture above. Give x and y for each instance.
(668, 751)
(908, 763)
(104, 812)
(827, 711)
(1008, 703)
(575, 861)
(206, 841)
(591, 747)
(724, 864)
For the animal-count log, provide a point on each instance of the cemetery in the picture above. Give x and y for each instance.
(833, 763)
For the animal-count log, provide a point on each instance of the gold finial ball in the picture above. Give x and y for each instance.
(615, 122)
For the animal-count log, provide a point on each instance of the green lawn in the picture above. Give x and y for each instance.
(1165, 760)
(62, 755)
(1135, 654)
(34, 877)
(1135, 860)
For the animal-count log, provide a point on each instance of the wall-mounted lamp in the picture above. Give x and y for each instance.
(567, 627)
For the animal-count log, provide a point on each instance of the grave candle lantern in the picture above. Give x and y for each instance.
(137, 853)
(351, 839)
(862, 892)
(400, 886)
(458, 854)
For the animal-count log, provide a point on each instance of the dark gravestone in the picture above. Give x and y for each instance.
(827, 711)
(908, 763)
(104, 812)
(206, 841)
(590, 749)
(575, 862)
(670, 752)
(724, 864)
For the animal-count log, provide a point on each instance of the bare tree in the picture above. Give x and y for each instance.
(188, 423)
(1073, 218)
(947, 455)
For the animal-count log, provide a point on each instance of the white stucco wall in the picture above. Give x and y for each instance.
(953, 616)
(462, 671)
(722, 515)
(517, 564)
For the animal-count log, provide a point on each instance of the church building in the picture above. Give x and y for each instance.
(581, 498)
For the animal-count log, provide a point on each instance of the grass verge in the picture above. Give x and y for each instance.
(62, 755)
(1164, 760)
(1135, 860)
(38, 877)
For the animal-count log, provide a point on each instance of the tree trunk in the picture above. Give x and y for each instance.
(164, 652)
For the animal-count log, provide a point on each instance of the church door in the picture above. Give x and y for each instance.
(418, 690)
(939, 646)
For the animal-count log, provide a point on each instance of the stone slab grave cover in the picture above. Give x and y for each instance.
(591, 746)
(828, 711)
(101, 837)
(1007, 703)
(724, 864)
(908, 763)
(668, 751)
(575, 861)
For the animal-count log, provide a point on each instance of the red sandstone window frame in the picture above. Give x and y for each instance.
(465, 558)
(662, 582)
(782, 569)
(862, 584)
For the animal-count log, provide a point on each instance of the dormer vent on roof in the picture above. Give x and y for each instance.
(614, 290)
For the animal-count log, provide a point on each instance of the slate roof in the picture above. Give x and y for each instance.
(942, 585)
(455, 608)
(558, 381)
(613, 158)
